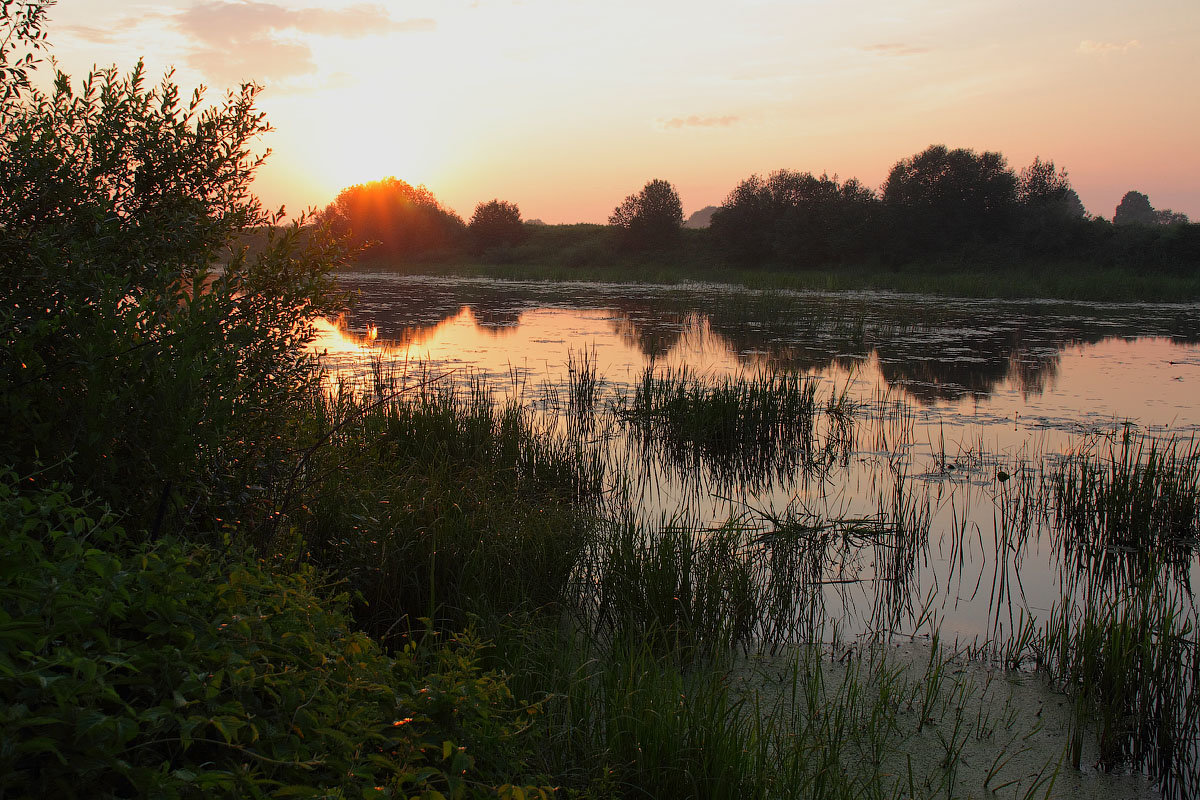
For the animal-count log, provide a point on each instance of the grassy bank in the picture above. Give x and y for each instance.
(589, 253)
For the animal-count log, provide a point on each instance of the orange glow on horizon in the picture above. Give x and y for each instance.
(565, 108)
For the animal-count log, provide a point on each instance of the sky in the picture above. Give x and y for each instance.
(566, 106)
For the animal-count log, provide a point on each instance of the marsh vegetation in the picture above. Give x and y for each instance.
(787, 578)
(248, 552)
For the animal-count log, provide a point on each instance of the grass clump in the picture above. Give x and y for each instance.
(1129, 659)
(745, 431)
(437, 506)
(1140, 493)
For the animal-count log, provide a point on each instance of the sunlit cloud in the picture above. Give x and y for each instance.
(91, 34)
(695, 121)
(265, 41)
(1091, 48)
(895, 49)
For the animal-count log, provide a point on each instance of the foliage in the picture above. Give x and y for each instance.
(1041, 186)
(496, 223)
(398, 220)
(650, 219)
(21, 22)
(1134, 209)
(1050, 212)
(142, 354)
(794, 219)
(171, 670)
(941, 197)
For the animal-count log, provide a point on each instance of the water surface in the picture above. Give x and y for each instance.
(963, 405)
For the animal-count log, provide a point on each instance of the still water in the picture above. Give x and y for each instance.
(963, 408)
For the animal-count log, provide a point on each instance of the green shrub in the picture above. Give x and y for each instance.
(173, 670)
(145, 357)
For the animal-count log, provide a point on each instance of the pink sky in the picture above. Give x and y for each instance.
(566, 107)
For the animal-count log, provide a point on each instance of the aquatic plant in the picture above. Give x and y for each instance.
(1130, 660)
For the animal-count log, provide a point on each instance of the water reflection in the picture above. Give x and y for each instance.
(931, 349)
(931, 505)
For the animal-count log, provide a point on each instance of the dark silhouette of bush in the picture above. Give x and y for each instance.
(942, 199)
(1050, 213)
(496, 223)
(650, 219)
(1135, 209)
(145, 352)
(795, 219)
(397, 219)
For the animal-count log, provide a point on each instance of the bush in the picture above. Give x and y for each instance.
(496, 223)
(172, 670)
(144, 357)
(650, 219)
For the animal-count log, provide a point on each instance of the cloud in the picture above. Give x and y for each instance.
(895, 49)
(1090, 48)
(258, 58)
(695, 121)
(257, 40)
(90, 34)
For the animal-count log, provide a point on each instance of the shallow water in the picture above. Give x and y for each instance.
(963, 408)
(961, 389)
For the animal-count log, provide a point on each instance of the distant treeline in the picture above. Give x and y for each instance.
(939, 204)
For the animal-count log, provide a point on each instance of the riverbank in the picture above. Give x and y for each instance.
(1048, 282)
(588, 253)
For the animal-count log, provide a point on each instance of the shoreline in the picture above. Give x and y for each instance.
(1023, 282)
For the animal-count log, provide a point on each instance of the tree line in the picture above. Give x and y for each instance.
(939, 204)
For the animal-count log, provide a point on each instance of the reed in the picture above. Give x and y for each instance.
(746, 431)
(439, 504)
(1132, 492)
(1130, 661)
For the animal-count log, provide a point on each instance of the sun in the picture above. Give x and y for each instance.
(353, 143)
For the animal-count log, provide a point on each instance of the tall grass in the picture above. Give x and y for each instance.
(442, 507)
(437, 504)
(1131, 494)
(842, 722)
(745, 431)
(1130, 660)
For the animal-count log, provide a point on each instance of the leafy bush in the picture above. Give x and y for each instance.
(144, 357)
(172, 670)
(650, 219)
(496, 223)
(395, 219)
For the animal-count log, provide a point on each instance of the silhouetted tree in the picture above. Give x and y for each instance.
(401, 219)
(651, 218)
(1135, 209)
(1042, 188)
(941, 198)
(794, 218)
(496, 223)
(1050, 212)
